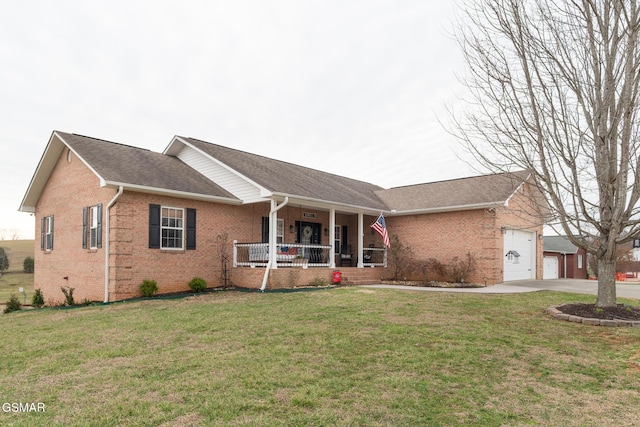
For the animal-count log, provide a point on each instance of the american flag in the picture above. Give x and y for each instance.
(381, 228)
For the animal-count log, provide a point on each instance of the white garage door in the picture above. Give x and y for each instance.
(550, 267)
(519, 255)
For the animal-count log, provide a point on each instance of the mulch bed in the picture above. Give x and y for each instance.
(619, 312)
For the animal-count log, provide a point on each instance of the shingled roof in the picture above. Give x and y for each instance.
(465, 193)
(294, 180)
(560, 244)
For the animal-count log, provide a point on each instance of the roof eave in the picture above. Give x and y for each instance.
(173, 193)
(456, 208)
(327, 203)
(44, 169)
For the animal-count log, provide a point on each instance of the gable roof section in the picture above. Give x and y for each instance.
(458, 194)
(116, 164)
(559, 244)
(287, 179)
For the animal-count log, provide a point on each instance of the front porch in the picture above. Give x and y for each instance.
(306, 255)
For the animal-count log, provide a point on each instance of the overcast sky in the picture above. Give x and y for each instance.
(349, 87)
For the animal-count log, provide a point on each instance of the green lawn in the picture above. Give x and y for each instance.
(349, 356)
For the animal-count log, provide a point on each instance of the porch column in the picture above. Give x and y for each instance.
(360, 239)
(273, 234)
(332, 237)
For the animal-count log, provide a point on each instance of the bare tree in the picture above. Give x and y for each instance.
(553, 88)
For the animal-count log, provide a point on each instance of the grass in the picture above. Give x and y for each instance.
(350, 356)
(14, 278)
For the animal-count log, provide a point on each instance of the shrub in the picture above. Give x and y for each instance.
(197, 284)
(319, 282)
(4, 260)
(458, 270)
(148, 288)
(38, 299)
(427, 268)
(13, 304)
(28, 265)
(68, 295)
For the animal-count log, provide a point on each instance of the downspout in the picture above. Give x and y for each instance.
(564, 269)
(106, 242)
(272, 253)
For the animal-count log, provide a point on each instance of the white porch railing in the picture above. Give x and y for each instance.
(374, 257)
(298, 255)
(287, 255)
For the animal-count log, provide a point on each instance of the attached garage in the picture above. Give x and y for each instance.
(519, 255)
(550, 268)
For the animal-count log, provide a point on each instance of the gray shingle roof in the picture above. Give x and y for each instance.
(456, 193)
(559, 244)
(136, 166)
(290, 179)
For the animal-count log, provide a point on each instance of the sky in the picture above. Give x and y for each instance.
(355, 88)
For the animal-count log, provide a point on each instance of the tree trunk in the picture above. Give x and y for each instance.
(606, 282)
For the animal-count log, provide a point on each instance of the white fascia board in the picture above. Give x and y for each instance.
(450, 208)
(322, 204)
(172, 193)
(506, 202)
(171, 150)
(45, 167)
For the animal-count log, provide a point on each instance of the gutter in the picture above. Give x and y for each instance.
(106, 246)
(272, 242)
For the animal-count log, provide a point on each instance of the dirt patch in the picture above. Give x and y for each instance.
(619, 312)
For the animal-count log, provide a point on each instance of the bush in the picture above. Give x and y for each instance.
(4, 260)
(148, 288)
(458, 270)
(68, 295)
(319, 282)
(197, 284)
(13, 304)
(28, 265)
(38, 299)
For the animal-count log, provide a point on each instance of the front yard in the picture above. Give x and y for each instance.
(348, 356)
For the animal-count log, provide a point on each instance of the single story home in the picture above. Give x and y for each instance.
(110, 215)
(563, 259)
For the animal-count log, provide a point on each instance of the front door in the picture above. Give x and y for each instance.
(309, 233)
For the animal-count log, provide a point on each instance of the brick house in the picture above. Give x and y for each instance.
(563, 259)
(110, 215)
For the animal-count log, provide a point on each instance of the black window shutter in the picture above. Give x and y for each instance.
(265, 229)
(43, 224)
(85, 213)
(99, 231)
(154, 226)
(191, 228)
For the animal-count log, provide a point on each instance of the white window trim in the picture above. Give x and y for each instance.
(580, 261)
(47, 234)
(166, 227)
(93, 227)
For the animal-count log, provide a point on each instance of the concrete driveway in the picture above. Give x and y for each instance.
(623, 289)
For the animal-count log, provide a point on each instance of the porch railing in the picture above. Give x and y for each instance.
(287, 255)
(374, 257)
(298, 255)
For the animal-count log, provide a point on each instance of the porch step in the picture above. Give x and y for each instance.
(354, 277)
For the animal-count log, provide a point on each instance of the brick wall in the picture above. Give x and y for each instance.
(71, 187)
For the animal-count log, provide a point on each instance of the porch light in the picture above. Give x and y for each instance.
(292, 229)
(503, 230)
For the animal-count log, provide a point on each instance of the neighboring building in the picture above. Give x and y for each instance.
(563, 259)
(110, 215)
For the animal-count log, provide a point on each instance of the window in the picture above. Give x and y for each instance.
(46, 233)
(280, 231)
(579, 261)
(92, 227)
(172, 228)
(337, 237)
